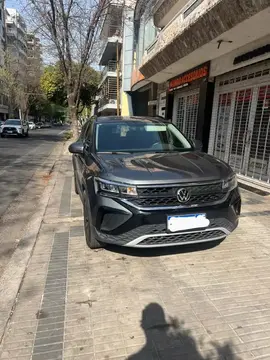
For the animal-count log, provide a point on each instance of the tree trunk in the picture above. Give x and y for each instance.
(72, 112)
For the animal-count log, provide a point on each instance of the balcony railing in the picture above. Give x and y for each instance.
(107, 100)
(111, 67)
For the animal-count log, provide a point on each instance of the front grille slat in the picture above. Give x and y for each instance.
(183, 238)
(167, 196)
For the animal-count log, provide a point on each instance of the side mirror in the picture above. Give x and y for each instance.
(197, 144)
(76, 148)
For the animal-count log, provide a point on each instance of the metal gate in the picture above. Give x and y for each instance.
(186, 112)
(240, 133)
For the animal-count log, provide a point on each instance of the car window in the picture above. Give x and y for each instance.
(84, 131)
(89, 131)
(133, 136)
(13, 122)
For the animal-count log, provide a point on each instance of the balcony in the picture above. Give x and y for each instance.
(193, 35)
(107, 106)
(112, 19)
(108, 71)
(110, 48)
(165, 10)
(108, 97)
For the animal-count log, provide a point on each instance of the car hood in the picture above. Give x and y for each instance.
(10, 125)
(163, 167)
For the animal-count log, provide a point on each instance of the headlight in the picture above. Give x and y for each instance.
(230, 184)
(117, 189)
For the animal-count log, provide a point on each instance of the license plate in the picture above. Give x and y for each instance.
(9, 132)
(187, 222)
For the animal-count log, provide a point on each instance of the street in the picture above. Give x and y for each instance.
(24, 167)
(206, 301)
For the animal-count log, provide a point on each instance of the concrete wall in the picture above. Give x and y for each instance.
(183, 36)
(225, 64)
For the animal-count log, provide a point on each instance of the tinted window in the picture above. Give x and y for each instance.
(13, 122)
(84, 130)
(139, 136)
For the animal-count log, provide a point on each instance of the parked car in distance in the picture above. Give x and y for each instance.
(14, 127)
(58, 123)
(39, 125)
(144, 184)
(32, 125)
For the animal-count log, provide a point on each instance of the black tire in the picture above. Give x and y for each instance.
(91, 241)
(2, 135)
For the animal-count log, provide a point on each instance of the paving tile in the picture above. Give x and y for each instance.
(76, 303)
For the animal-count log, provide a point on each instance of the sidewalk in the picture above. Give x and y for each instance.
(201, 302)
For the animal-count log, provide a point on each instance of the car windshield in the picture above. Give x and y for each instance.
(13, 122)
(138, 136)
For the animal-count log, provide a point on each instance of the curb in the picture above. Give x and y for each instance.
(13, 275)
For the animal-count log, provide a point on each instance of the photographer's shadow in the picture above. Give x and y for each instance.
(171, 341)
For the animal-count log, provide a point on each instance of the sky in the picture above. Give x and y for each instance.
(17, 4)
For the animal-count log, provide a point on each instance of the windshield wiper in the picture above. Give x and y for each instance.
(117, 152)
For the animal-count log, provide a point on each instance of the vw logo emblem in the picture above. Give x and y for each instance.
(183, 195)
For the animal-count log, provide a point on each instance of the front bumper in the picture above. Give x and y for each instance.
(11, 131)
(116, 222)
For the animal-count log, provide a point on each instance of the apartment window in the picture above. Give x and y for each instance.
(150, 33)
(192, 7)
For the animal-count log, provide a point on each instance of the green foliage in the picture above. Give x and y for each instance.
(54, 87)
(43, 107)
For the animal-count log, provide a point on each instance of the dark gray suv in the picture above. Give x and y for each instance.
(143, 184)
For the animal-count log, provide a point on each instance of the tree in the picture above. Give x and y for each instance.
(20, 85)
(71, 27)
(53, 86)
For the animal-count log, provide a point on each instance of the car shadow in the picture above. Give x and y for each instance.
(162, 251)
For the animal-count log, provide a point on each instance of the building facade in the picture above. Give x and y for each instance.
(16, 40)
(111, 46)
(210, 61)
(144, 91)
(34, 59)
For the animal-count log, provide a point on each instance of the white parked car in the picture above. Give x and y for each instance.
(14, 127)
(32, 125)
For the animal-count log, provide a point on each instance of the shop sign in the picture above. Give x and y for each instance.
(152, 103)
(187, 78)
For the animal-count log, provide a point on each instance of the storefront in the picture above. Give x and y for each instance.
(191, 92)
(162, 104)
(240, 129)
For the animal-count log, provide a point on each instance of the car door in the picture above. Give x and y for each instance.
(79, 159)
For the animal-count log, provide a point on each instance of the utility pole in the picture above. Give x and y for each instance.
(117, 78)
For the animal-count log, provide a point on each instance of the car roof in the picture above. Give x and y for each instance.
(144, 119)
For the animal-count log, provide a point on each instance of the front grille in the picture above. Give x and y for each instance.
(6, 129)
(183, 238)
(172, 201)
(167, 196)
(172, 190)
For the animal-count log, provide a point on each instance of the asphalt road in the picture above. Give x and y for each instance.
(23, 166)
